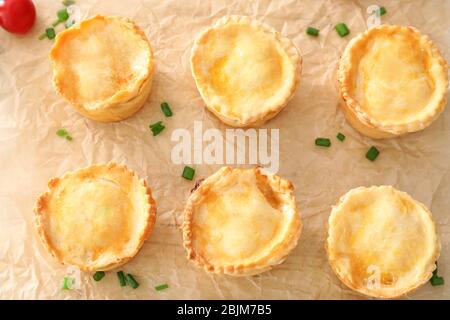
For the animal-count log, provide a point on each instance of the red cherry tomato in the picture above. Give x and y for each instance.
(17, 16)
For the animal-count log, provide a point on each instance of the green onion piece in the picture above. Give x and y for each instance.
(382, 11)
(372, 154)
(62, 132)
(67, 284)
(155, 124)
(98, 275)
(312, 31)
(340, 136)
(131, 281)
(56, 22)
(162, 287)
(63, 15)
(157, 127)
(50, 33)
(166, 109)
(122, 280)
(323, 142)
(188, 173)
(43, 36)
(437, 281)
(68, 2)
(342, 29)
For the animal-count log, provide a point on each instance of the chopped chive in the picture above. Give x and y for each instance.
(63, 15)
(56, 22)
(98, 275)
(166, 109)
(382, 11)
(155, 124)
(188, 173)
(342, 29)
(340, 136)
(312, 31)
(323, 142)
(50, 33)
(131, 281)
(122, 280)
(157, 127)
(162, 287)
(67, 284)
(62, 132)
(372, 154)
(437, 281)
(68, 2)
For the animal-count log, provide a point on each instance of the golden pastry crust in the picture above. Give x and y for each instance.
(95, 218)
(381, 242)
(393, 80)
(241, 222)
(103, 67)
(245, 71)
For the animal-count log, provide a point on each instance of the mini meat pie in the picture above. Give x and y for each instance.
(95, 218)
(393, 80)
(103, 67)
(381, 242)
(241, 222)
(246, 72)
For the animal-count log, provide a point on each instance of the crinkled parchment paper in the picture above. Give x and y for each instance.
(31, 153)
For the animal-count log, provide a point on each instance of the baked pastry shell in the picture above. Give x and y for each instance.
(379, 293)
(41, 212)
(360, 119)
(265, 263)
(123, 103)
(258, 117)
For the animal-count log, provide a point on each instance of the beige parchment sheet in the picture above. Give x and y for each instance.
(31, 153)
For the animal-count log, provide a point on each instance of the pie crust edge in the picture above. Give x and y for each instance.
(41, 206)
